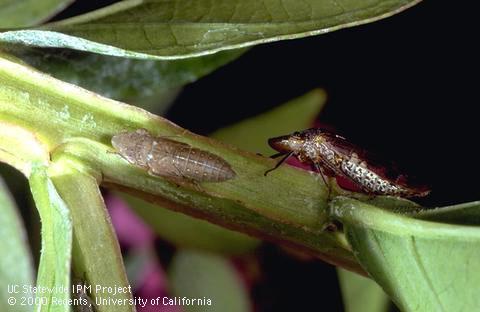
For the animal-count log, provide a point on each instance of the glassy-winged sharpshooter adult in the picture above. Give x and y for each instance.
(168, 158)
(333, 155)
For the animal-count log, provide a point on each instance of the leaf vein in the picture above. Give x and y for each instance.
(420, 265)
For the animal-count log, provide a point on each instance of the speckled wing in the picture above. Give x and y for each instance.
(374, 162)
(371, 173)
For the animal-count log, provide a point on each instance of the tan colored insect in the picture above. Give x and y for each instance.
(168, 158)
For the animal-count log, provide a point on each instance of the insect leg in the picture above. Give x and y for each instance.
(320, 170)
(177, 176)
(279, 163)
(184, 180)
(276, 155)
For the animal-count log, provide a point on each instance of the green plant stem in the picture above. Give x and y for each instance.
(54, 267)
(96, 254)
(287, 206)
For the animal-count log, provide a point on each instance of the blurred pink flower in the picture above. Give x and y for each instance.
(135, 236)
(130, 229)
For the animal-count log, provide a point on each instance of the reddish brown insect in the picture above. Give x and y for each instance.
(171, 159)
(333, 155)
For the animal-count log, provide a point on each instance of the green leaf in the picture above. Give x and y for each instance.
(96, 253)
(465, 214)
(135, 81)
(179, 29)
(195, 274)
(361, 294)
(184, 231)
(252, 134)
(422, 265)
(15, 262)
(54, 267)
(14, 13)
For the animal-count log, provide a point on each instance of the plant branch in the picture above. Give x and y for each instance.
(96, 253)
(289, 205)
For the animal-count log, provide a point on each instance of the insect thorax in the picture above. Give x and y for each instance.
(316, 150)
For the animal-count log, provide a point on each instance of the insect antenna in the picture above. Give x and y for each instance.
(280, 162)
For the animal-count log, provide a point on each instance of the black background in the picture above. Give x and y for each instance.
(405, 87)
(402, 87)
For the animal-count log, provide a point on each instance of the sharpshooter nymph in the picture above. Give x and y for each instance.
(333, 155)
(168, 158)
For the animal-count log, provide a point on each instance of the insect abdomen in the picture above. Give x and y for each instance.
(169, 158)
(202, 166)
(373, 182)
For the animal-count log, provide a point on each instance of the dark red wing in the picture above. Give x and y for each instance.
(346, 149)
(386, 169)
